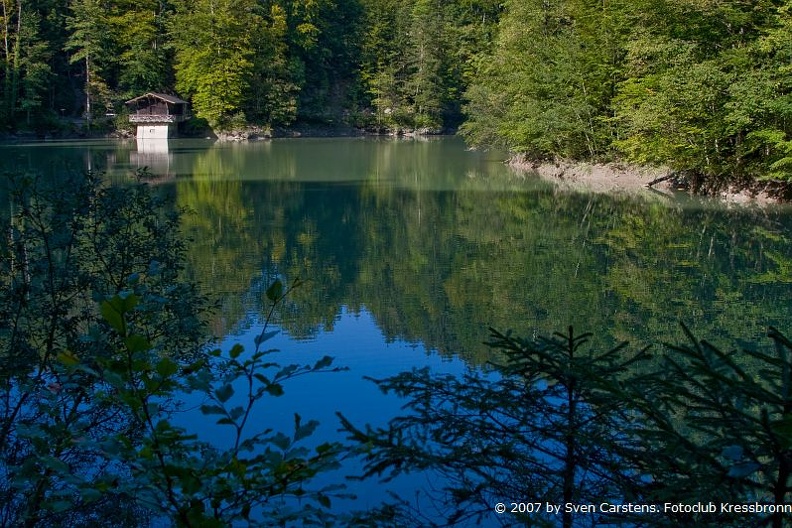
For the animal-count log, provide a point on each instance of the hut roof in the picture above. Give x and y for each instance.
(161, 96)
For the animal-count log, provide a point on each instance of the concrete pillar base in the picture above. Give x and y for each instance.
(154, 131)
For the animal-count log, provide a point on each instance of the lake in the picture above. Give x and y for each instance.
(411, 249)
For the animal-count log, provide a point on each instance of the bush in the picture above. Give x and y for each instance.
(103, 338)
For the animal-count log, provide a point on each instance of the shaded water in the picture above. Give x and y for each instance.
(412, 249)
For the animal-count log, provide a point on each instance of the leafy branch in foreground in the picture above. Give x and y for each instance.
(718, 426)
(104, 339)
(564, 424)
(535, 426)
(69, 244)
(193, 481)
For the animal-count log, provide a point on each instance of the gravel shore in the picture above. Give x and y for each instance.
(625, 178)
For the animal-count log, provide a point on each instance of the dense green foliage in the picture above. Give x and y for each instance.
(376, 63)
(699, 85)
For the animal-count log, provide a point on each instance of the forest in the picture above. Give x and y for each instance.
(698, 85)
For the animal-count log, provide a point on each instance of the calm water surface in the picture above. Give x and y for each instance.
(412, 249)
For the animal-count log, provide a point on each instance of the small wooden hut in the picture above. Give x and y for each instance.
(157, 114)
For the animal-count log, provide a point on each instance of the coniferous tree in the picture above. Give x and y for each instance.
(36, 71)
(324, 39)
(26, 63)
(90, 43)
(425, 86)
(272, 96)
(540, 426)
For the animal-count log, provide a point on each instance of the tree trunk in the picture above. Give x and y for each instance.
(88, 93)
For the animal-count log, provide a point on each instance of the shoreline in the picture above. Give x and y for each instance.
(615, 178)
(609, 178)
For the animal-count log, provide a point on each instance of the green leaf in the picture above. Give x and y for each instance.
(111, 447)
(265, 336)
(275, 389)
(262, 378)
(190, 483)
(224, 393)
(324, 500)
(60, 505)
(200, 381)
(55, 464)
(90, 494)
(275, 291)
(137, 343)
(303, 431)
(236, 412)
(324, 448)
(783, 429)
(212, 409)
(282, 441)
(113, 317)
(323, 363)
(128, 301)
(733, 452)
(235, 351)
(164, 426)
(287, 371)
(68, 359)
(167, 367)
